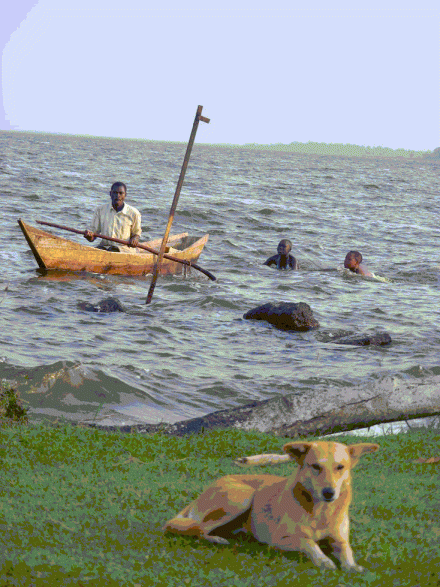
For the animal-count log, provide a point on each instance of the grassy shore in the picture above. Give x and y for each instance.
(84, 507)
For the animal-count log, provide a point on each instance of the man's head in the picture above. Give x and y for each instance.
(284, 247)
(118, 192)
(352, 260)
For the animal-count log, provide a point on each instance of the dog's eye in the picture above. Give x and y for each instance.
(339, 467)
(316, 467)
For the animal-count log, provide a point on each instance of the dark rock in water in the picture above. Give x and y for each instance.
(380, 339)
(87, 307)
(110, 305)
(285, 315)
(107, 305)
(299, 317)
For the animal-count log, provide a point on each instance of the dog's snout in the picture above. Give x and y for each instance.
(328, 493)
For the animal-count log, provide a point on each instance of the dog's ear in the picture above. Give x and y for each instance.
(357, 450)
(297, 450)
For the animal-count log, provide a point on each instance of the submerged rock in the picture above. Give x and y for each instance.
(285, 315)
(299, 317)
(380, 339)
(106, 305)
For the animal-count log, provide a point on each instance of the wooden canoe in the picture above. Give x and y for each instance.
(54, 252)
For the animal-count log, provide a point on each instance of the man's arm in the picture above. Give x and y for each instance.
(271, 261)
(293, 262)
(94, 227)
(88, 234)
(136, 230)
(133, 241)
(364, 271)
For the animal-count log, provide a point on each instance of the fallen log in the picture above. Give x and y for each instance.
(329, 411)
(318, 412)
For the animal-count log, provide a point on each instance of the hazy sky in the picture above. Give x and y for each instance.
(264, 72)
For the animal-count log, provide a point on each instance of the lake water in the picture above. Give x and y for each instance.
(190, 352)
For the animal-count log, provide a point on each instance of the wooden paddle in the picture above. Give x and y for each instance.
(140, 246)
(197, 118)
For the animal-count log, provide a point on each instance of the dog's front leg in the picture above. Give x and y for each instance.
(342, 551)
(308, 547)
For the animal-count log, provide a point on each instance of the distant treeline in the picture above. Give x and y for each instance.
(311, 148)
(337, 149)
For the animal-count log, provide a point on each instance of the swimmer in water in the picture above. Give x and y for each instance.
(283, 260)
(353, 261)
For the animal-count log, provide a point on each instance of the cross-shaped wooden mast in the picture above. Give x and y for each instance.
(197, 119)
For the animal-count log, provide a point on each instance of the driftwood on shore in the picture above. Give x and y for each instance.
(318, 412)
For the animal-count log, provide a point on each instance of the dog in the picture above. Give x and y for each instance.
(289, 513)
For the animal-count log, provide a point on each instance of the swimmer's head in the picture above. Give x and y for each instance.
(284, 247)
(352, 260)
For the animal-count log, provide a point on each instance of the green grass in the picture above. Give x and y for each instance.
(85, 507)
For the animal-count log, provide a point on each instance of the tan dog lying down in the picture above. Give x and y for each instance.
(289, 513)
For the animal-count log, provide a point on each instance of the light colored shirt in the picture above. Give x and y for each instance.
(123, 224)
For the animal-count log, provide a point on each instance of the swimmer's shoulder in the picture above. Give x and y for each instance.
(271, 261)
(293, 262)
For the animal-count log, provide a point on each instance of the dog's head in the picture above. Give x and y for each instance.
(325, 466)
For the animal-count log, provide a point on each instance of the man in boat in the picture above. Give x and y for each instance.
(283, 260)
(353, 260)
(116, 219)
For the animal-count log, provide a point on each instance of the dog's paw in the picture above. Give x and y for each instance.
(216, 539)
(241, 461)
(354, 568)
(326, 563)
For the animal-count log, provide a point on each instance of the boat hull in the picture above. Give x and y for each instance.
(53, 252)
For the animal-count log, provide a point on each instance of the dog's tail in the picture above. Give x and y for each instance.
(261, 460)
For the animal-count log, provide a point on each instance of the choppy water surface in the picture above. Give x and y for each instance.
(190, 352)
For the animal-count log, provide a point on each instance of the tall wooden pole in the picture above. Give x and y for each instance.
(197, 118)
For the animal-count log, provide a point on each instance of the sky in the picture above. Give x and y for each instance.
(264, 72)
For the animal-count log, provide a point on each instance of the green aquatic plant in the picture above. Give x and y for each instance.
(11, 407)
